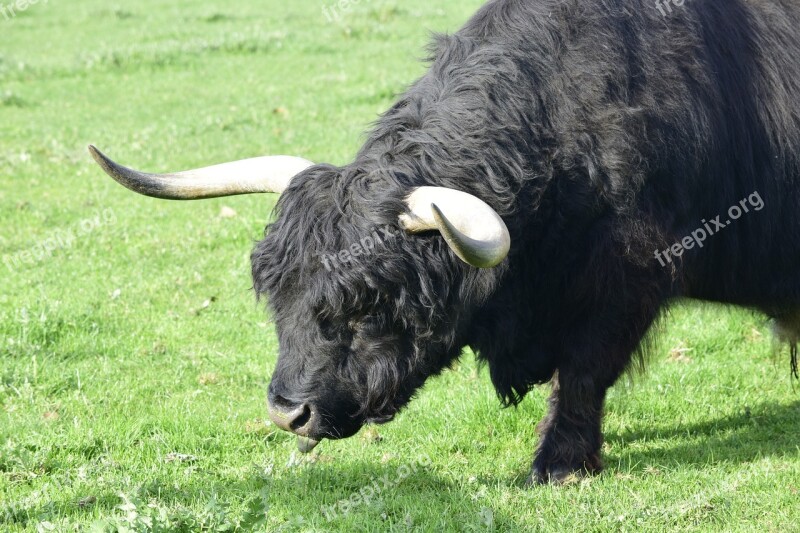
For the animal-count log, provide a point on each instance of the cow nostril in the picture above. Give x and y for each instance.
(303, 416)
(291, 416)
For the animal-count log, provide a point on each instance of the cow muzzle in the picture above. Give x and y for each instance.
(301, 419)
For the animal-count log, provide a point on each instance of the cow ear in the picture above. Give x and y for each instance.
(472, 229)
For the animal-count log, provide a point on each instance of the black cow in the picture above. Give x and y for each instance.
(562, 171)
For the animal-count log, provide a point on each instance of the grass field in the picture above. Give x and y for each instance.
(134, 360)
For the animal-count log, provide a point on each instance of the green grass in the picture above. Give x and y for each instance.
(139, 338)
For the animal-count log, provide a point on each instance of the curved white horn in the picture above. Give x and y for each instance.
(472, 229)
(257, 175)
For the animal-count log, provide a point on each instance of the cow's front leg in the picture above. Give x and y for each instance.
(570, 435)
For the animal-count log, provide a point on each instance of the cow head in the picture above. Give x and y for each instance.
(368, 299)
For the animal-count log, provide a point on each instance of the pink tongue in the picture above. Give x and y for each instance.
(305, 445)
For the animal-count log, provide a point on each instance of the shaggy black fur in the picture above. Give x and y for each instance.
(601, 131)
